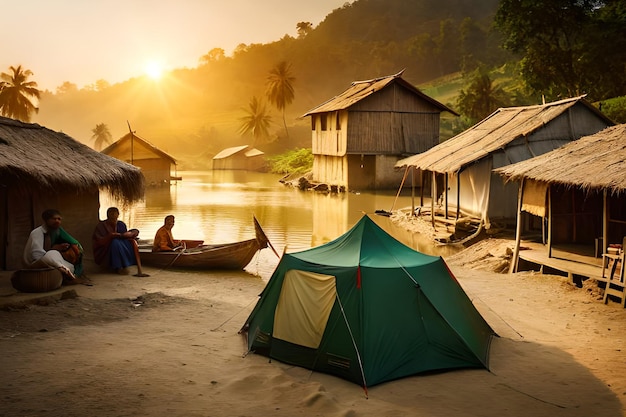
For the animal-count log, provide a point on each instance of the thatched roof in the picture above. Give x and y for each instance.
(491, 134)
(359, 90)
(597, 161)
(124, 142)
(225, 153)
(34, 157)
(252, 152)
(228, 152)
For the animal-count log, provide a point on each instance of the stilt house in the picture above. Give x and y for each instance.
(579, 192)
(42, 169)
(359, 135)
(157, 166)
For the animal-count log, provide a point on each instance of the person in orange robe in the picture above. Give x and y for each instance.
(163, 239)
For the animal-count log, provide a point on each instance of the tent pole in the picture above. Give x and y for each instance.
(356, 349)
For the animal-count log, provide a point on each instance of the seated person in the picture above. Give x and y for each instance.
(114, 246)
(163, 239)
(49, 245)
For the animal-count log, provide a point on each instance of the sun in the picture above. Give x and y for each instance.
(154, 70)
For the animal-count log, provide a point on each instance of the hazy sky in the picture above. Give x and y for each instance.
(83, 41)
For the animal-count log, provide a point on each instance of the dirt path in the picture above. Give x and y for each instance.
(167, 345)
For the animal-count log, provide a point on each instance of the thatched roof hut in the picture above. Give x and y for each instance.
(41, 168)
(507, 136)
(592, 162)
(580, 188)
(157, 166)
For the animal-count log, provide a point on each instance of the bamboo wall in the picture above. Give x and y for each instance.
(80, 212)
(330, 169)
(329, 133)
(375, 133)
(156, 171)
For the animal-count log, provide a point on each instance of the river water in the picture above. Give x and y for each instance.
(218, 206)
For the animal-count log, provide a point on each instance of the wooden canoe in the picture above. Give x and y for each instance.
(234, 255)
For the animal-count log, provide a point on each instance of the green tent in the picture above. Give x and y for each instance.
(369, 309)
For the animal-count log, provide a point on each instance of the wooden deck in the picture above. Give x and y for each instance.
(576, 262)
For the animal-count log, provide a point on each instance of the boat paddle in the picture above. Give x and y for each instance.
(138, 259)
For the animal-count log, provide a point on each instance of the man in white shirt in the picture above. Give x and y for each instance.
(39, 251)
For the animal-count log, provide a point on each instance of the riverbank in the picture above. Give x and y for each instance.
(167, 345)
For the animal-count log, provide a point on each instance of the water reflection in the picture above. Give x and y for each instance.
(217, 207)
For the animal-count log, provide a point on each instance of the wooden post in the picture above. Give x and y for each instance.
(132, 145)
(406, 172)
(422, 180)
(549, 221)
(446, 193)
(433, 196)
(140, 272)
(458, 194)
(574, 231)
(605, 224)
(412, 191)
(518, 229)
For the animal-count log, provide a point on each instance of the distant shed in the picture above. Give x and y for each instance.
(359, 135)
(157, 166)
(240, 158)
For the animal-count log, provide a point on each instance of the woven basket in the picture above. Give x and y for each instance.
(37, 280)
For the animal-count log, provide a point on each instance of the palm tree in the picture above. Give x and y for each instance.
(481, 98)
(257, 121)
(17, 94)
(101, 136)
(280, 88)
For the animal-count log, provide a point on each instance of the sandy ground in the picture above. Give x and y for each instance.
(167, 345)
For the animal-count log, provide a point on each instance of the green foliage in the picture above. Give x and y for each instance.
(568, 47)
(178, 112)
(17, 94)
(297, 161)
(257, 121)
(280, 90)
(482, 97)
(615, 109)
(101, 136)
(196, 112)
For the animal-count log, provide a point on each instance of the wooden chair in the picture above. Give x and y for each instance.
(615, 285)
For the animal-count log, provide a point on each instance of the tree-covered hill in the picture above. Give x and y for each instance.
(193, 113)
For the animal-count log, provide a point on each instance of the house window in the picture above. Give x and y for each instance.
(313, 118)
(324, 120)
(337, 121)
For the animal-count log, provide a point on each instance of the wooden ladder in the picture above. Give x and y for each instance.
(615, 285)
